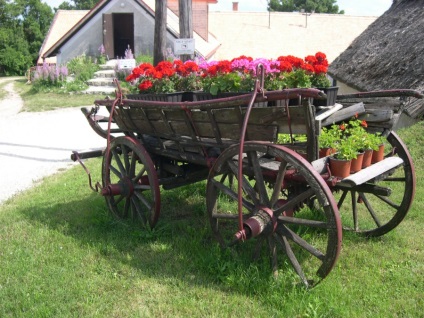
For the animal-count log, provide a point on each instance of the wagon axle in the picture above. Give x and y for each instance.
(262, 222)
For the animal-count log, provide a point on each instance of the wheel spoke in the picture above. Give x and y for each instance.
(116, 202)
(143, 200)
(282, 240)
(258, 247)
(246, 185)
(138, 211)
(259, 178)
(387, 201)
(126, 208)
(370, 209)
(125, 154)
(115, 171)
(305, 222)
(274, 258)
(142, 187)
(342, 198)
(229, 192)
(289, 205)
(286, 232)
(278, 183)
(139, 175)
(119, 162)
(354, 210)
(394, 179)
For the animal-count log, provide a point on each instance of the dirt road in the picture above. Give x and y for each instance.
(35, 145)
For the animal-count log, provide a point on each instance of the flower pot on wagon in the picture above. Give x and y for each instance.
(340, 167)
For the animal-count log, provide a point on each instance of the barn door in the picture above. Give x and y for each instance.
(123, 33)
(108, 36)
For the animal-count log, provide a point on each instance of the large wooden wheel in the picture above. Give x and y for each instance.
(130, 183)
(378, 206)
(287, 208)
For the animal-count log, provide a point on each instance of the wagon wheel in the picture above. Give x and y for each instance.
(381, 204)
(300, 238)
(130, 182)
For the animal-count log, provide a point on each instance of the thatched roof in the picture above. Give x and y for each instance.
(388, 54)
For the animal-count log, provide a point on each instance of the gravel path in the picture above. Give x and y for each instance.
(35, 145)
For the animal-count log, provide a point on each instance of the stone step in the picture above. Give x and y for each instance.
(101, 81)
(105, 73)
(110, 65)
(100, 90)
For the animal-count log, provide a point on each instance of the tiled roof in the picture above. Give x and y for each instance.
(260, 34)
(62, 28)
(63, 21)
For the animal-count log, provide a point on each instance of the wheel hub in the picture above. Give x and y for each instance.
(262, 222)
(124, 187)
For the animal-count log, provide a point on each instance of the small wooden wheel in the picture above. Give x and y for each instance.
(130, 182)
(378, 206)
(287, 207)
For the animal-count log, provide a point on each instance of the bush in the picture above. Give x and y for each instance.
(48, 76)
(82, 68)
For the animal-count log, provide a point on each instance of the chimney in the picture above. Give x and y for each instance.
(235, 6)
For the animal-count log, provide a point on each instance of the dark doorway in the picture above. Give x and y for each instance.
(123, 30)
(118, 33)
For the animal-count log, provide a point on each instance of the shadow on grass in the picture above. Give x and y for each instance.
(180, 246)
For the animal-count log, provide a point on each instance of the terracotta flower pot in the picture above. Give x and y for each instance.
(356, 164)
(366, 161)
(339, 167)
(378, 155)
(325, 152)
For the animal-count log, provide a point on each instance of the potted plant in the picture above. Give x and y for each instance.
(340, 162)
(221, 78)
(156, 83)
(378, 148)
(328, 139)
(320, 80)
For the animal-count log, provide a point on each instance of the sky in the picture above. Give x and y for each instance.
(351, 7)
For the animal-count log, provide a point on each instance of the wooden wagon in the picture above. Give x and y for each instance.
(259, 194)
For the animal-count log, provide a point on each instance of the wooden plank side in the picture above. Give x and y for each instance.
(344, 114)
(264, 123)
(377, 115)
(373, 171)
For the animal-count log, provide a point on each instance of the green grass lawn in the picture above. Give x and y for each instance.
(63, 255)
(36, 102)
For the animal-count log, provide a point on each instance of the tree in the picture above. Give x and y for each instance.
(78, 5)
(318, 6)
(24, 25)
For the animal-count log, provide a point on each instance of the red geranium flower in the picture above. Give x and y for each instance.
(321, 58)
(308, 68)
(285, 66)
(311, 59)
(145, 85)
(320, 69)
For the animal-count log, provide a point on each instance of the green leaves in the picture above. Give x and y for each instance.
(318, 6)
